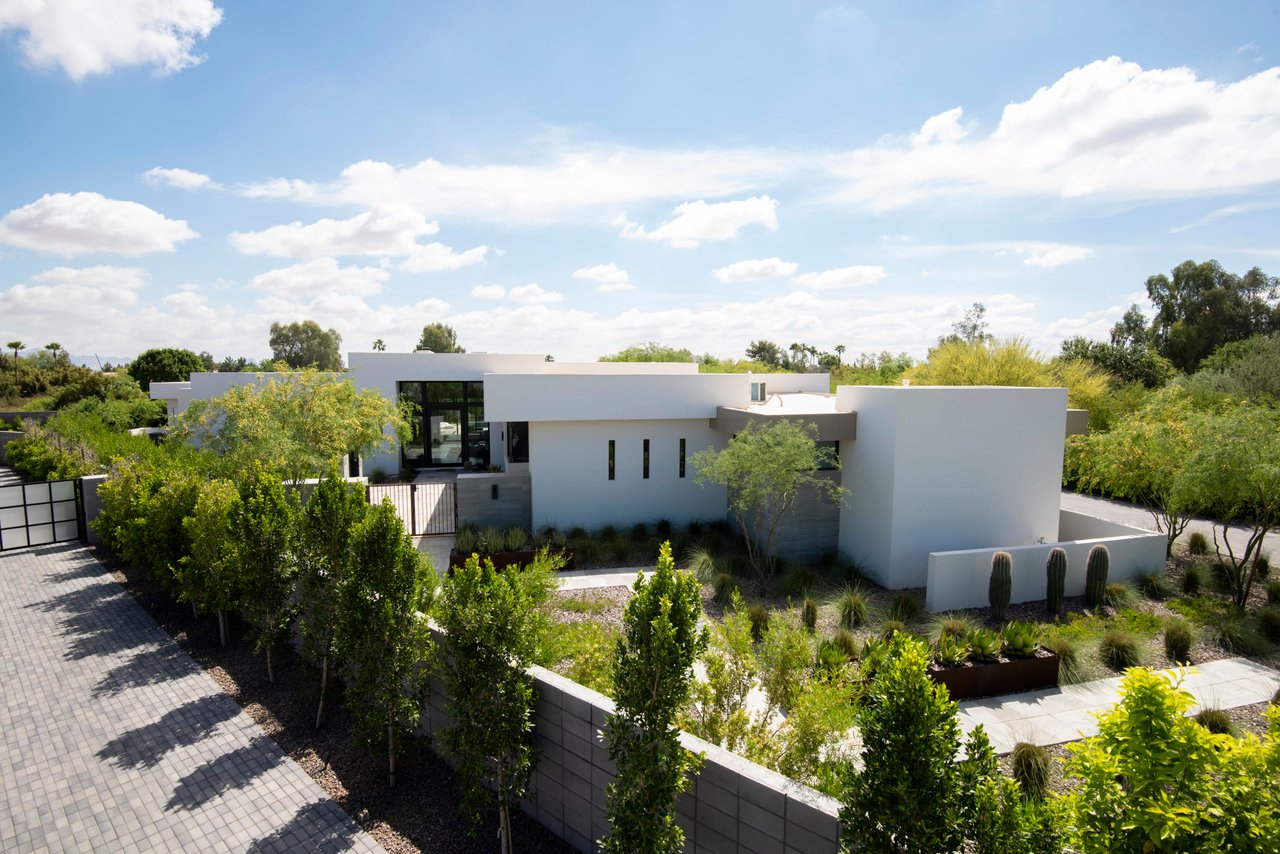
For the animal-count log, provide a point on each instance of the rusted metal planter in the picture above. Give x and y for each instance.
(1004, 676)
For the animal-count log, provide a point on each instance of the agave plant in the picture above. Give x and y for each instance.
(874, 654)
(1021, 638)
(950, 650)
(985, 644)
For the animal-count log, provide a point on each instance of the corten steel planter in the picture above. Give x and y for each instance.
(501, 560)
(1006, 675)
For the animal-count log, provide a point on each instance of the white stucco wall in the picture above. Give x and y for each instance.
(947, 468)
(202, 386)
(569, 464)
(591, 397)
(960, 579)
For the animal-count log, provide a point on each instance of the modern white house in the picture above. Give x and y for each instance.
(929, 470)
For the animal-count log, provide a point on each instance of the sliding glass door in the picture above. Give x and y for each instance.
(448, 426)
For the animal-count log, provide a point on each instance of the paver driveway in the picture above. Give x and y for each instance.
(114, 739)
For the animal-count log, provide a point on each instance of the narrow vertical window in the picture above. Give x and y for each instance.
(646, 459)
(682, 457)
(611, 451)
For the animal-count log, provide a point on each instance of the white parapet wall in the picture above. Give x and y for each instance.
(959, 579)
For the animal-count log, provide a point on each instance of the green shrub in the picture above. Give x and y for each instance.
(1220, 574)
(515, 538)
(619, 550)
(639, 532)
(853, 607)
(581, 651)
(1237, 634)
(1155, 586)
(608, 532)
(951, 650)
(1269, 623)
(724, 586)
(1217, 721)
(809, 614)
(1177, 641)
(1021, 639)
(1118, 595)
(1031, 765)
(1198, 543)
(985, 644)
(1264, 568)
(831, 657)
(848, 643)
(1273, 592)
(587, 551)
(467, 540)
(1193, 580)
(1119, 651)
(905, 606)
(892, 627)
(798, 580)
(785, 653)
(577, 532)
(759, 616)
(663, 528)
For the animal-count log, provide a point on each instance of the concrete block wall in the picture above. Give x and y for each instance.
(812, 526)
(92, 504)
(477, 506)
(733, 806)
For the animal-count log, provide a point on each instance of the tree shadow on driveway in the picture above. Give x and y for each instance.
(320, 826)
(235, 770)
(145, 746)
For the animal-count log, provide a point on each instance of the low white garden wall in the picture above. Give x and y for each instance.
(959, 579)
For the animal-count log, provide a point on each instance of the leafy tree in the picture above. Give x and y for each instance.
(1153, 779)
(1234, 474)
(382, 630)
(765, 352)
(265, 524)
(1131, 330)
(331, 514)
(652, 674)
(1248, 369)
(207, 362)
(651, 352)
(439, 338)
(379, 345)
(1200, 307)
(297, 425)
(764, 468)
(490, 625)
(164, 364)
(1130, 363)
(208, 577)
(306, 345)
(1142, 459)
(971, 328)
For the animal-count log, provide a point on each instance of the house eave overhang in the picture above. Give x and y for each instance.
(832, 426)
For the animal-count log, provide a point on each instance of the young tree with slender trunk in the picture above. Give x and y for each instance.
(209, 577)
(265, 528)
(383, 635)
(331, 514)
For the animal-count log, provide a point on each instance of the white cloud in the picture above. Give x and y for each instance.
(841, 277)
(755, 270)
(1108, 130)
(488, 292)
(73, 305)
(387, 231)
(569, 184)
(183, 179)
(694, 222)
(608, 277)
(321, 276)
(436, 257)
(1051, 254)
(84, 37)
(79, 223)
(533, 294)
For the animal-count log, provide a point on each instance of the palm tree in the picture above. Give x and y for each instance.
(840, 348)
(53, 347)
(15, 346)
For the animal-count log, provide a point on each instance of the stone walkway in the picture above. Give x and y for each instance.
(1067, 713)
(114, 739)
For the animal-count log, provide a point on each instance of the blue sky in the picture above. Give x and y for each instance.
(573, 178)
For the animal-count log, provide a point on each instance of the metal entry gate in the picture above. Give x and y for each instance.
(424, 508)
(35, 514)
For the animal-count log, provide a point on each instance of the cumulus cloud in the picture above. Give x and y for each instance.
(321, 276)
(488, 292)
(387, 231)
(1109, 130)
(570, 183)
(84, 37)
(841, 277)
(1051, 254)
(1033, 253)
(608, 277)
(755, 270)
(694, 222)
(437, 257)
(533, 294)
(183, 179)
(79, 223)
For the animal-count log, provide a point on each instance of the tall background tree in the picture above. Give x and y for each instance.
(439, 338)
(306, 345)
(164, 365)
(16, 347)
(1200, 307)
(651, 351)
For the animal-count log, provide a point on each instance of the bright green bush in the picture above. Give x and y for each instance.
(785, 653)
(717, 709)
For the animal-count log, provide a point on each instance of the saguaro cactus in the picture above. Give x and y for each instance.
(1001, 587)
(1055, 570)
(1095, 576)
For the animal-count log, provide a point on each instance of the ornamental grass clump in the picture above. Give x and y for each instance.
(703, 563)
(1119, 651)
(891, 627)
(809, 614)
(1155, 586)
(1177, 641)
(1273, 592)
(724, 586)
(905, 606)
(798, 580)
(1118, 595)
(1269, 623)
(1237, 634)
(1216, 721)
(1198, 544)
(1069, 670)
(848, 643)
(853, 607)
(1193, 580)
(956, 625)
(1031, 766)
(759, 616)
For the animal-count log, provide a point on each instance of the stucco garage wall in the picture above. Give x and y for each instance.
(946, 468)
(959, 579)
(569, 470)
